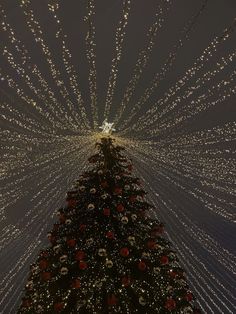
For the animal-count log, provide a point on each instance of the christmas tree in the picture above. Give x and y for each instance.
(107, 255)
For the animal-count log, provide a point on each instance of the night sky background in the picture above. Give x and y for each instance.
(55, 70)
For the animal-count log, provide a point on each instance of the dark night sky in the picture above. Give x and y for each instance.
(216, 285)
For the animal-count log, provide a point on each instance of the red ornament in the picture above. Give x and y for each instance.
(130, 167)
(106, 211)
(126, 281)
(51, 238)
(189, 297)
(112, 300)
(151, 244)
(164, 260)
(157, 230)
(26, 303)
(124, 252)
(104, 184)
(110, 235)
(120, 208)
(83, 265)
(79, 255)
(58, 307)
(173, 274)
(62, 218)
(118, 191)
(142, 265)
(71, 202)
(43, 264)
(132, 198)
(82, 227)
(55, 227)
(44, 254)
(76, 284)
(71, 242)
(46, 275)
(170, 304)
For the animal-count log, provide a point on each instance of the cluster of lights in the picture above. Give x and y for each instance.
(119, 40)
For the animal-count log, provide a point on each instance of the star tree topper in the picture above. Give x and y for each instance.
(107, 127)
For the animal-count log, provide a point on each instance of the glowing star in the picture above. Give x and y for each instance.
(107, 127)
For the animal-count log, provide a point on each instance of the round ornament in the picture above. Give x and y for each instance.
(170, 304)
(91, 206)
(102, 252)
(63, 258)
(142, 301)
(89, 241)
(124, 252)
(109, 263)
(131, 240)
(124, 219)
(64, 271)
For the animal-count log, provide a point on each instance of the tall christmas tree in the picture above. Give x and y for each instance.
(107, 255)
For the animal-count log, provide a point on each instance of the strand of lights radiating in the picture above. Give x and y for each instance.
(212, 247)
(37, 32)
(119, 40)
(143, 57)
(17, 119)
(37, 226)
(53, 8)
(198, 65)
(182, 108)
(184, 35)
(91, 58)
(192, 170)
(31, 71)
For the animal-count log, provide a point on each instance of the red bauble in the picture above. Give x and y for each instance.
(82, 227)
(142, 266)
(43, 264)
(110, 235)
(71, 242)
(173, 274)
(124, 252)
(76, 284)
(58, 307)
(126, 281)
(26, 303)
(44, 253)
(79, 255)
(120, 208)
(132, 198)
(130, 167)
(71, 202)
(55, 227)
(106, 211)
(62, 218)
(46, 275)
(112, 300)
(104, 184)
(151, 244)
(83, 265)
(170, 304)
(189, 297)
(164, 260)
(118, 191)
(157, 230)
(51, 238)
